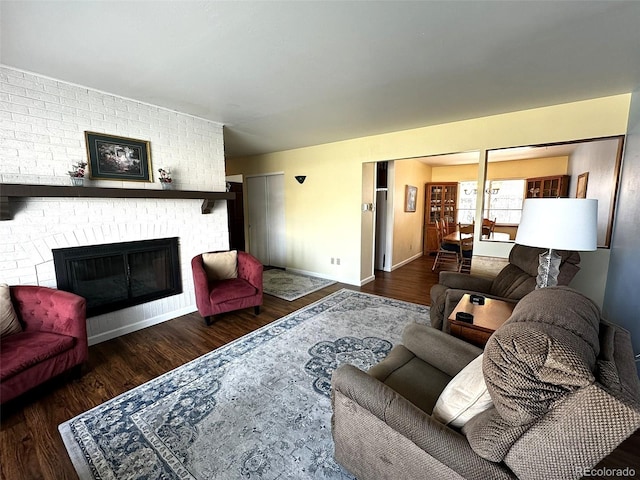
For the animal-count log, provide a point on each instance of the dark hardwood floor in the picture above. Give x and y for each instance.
(30, 445)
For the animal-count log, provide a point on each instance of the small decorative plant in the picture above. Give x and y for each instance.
(77, 170)
(165, 175)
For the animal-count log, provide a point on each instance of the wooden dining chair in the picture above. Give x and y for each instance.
(465, 252)
(444, 227)
(447, 254)
(487, 227)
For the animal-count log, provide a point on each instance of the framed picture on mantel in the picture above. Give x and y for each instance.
(118, 158)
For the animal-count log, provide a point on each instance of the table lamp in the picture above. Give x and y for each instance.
(557, 224)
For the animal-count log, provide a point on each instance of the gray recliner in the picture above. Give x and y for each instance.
(514, 281)
(563, 384)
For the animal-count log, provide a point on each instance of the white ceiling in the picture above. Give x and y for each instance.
(282, 75)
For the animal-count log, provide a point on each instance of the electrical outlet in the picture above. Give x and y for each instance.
(337, 261)
(333, 260)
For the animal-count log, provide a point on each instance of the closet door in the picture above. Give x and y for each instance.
(265, 198)
(275, 220)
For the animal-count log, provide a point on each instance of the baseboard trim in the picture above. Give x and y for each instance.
(118, 332)
(408, 260)
(367, 280)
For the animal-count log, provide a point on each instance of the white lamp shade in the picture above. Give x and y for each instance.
(559, 223)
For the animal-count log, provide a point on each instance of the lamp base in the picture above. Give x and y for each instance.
(548, 270)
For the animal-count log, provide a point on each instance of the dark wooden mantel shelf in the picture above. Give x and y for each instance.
(11, 190)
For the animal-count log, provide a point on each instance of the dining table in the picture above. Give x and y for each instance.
(454, 237)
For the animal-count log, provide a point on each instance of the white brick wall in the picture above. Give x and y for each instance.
(42, 125)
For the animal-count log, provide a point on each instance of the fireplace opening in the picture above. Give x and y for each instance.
(119, 275)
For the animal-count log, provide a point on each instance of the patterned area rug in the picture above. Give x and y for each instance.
(291, 286)
(256, 408)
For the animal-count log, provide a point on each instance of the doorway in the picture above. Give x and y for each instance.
(235, 217)
(384, 217)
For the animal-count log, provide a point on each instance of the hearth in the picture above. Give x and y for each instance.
(119, 275)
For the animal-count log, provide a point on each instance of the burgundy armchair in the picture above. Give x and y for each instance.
(219, 296)
(53, 339)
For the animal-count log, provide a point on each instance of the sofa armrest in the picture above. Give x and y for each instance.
(445, 352)
(50, 310)
(390, 407)
(576, 434)
(465, 281)
(451, 299)
(358, 397)
(250, 269)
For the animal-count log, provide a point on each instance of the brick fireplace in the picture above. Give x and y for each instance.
(42, 129)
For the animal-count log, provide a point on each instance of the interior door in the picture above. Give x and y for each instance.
(275, 223)
(381, 230)
(265, 206)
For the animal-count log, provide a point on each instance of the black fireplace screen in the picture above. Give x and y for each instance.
(119, 275)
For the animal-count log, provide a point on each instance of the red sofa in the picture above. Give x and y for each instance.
(53, 339)
(219, 296)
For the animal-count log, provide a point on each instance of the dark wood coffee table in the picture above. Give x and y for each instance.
(487, 319)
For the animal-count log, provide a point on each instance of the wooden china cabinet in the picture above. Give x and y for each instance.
(441, 201)
(548, 187)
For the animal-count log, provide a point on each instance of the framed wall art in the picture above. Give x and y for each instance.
(581, 188)
(411, 194)
(118, 158)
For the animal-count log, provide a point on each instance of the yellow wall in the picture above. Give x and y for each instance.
(512, 169)
(407, 226)
(533, 167)
(455, 173)
(323, 216)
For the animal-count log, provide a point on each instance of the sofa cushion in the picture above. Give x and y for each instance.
(25, 349)
(221, 265)
(414, 379)
(9, 323)
(464, 397)
(231, 289)
(545, 351)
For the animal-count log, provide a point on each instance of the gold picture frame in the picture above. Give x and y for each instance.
(581, 188)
